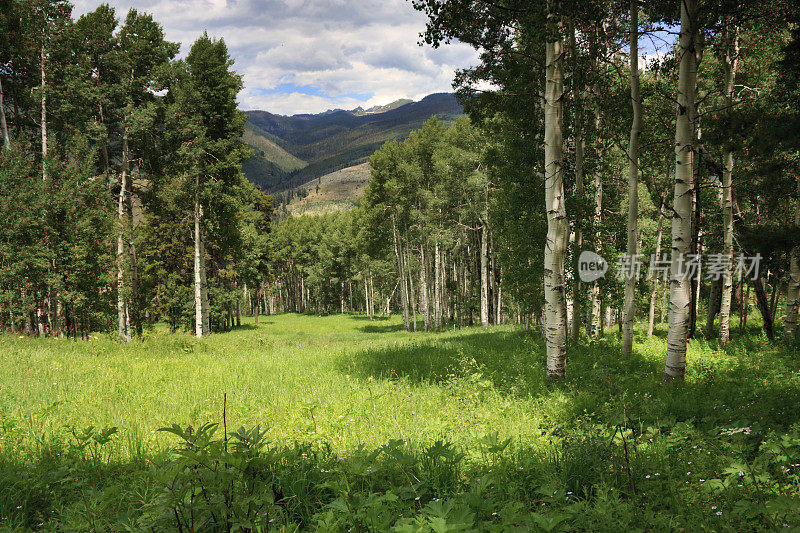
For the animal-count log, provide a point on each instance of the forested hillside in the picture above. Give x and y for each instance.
(333, 140)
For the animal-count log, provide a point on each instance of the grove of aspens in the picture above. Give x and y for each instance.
(572, 308)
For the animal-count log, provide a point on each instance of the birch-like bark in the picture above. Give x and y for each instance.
(484, 275)
(556, 245)
(437, 289)
(423, 282)
(633, 182)
(793, 287)
(123, 319)
(580, 145)
(498, 310)
(654, 295)
(731, 63)
(44, 111)
(411, 292)
(680, 300)
(596, 320)
(133, 312)
(199, 319)
(401, 275)
(3, 123)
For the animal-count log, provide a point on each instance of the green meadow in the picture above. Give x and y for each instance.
(364, 426)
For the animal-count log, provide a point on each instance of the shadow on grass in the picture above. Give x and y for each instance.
(366, 318)
(749, 380)
(374, 328)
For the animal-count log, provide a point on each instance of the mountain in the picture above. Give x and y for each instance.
(382, 108)
(337, 191)
(291, 151)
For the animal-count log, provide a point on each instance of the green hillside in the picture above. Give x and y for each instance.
(270, 164)
(292, 151)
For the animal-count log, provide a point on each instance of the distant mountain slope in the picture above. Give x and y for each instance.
(333, 140)
(270, 164)
(336, 191)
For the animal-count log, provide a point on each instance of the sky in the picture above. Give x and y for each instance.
(308, 56)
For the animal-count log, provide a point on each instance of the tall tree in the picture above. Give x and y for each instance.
(556, 245)
(633, 182)
(731, 61)
(680, 300)
(206, 127)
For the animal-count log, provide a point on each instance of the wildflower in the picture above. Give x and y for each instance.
(719, 513)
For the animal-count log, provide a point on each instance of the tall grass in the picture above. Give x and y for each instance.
(613, 436)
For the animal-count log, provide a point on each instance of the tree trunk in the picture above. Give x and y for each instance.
(714, 302)
(411, 292)
(3, 123)
(731, 62)
(763, 307)
(484, 274)
(580, 145)
(680, 300)
(401, 276)
(132, 302)
(555, 247)
(654, 295)
(633, 183)
(498, 315)
(423, 289)
(44, 112)
(257, 306)
(123, 318)
(596, 320)
(793, 287)
(200, 326)
(437, 289)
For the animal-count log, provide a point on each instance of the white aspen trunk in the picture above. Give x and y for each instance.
(123, 320)
(423, 282)
(3, 123)
(411, 291)
(371, 296)
(596, 320)
(368, 299)
(134, 320)
(199, 319)
(555, 248)
(44, 112)
(498, 313)
(580, 145)
(654, 295)
(680, 298)
(793, 287)
(401, 276)
(633, 182)
(484, 275)
(437, 290)
(731, 62)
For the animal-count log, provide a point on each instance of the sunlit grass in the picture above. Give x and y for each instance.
(346, 382)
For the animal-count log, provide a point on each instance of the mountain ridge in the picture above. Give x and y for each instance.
(318, 144)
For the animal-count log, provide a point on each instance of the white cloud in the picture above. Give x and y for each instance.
(300, 56)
